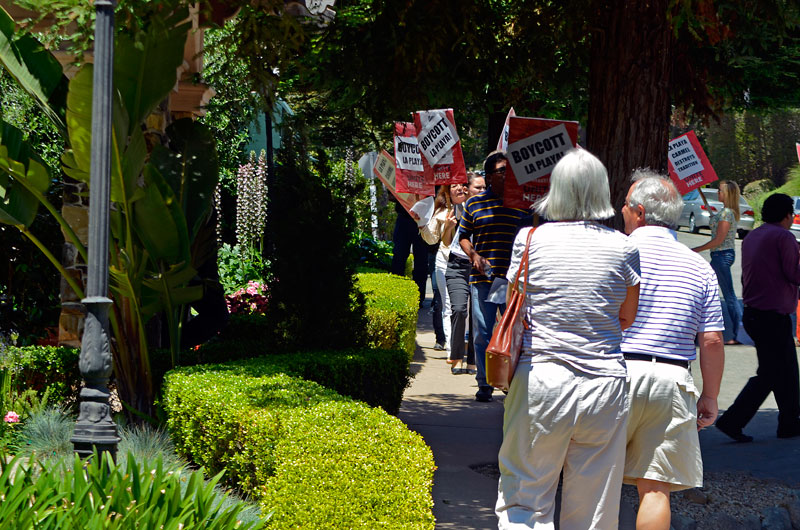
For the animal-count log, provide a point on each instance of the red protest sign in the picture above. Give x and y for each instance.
(689, 167)
(442, 158)
(502, 142)
(385, 170)
(535, 145)
(410, 177)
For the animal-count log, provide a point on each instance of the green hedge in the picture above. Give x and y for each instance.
(376, 377)
(392, 305)
(314, 458)
(391, 310)
(42, 367)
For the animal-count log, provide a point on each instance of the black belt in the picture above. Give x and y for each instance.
(651, 358)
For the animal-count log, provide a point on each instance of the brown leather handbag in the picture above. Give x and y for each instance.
(502, 354)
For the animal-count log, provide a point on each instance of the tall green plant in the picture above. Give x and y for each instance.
(160, 203)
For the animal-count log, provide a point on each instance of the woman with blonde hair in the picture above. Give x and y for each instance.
(723, 250)
(567, 408)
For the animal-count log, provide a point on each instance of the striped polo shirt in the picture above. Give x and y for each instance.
(677, 299)
(578, 277)
(492, 227)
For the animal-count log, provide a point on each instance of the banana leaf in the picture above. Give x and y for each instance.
(159, 222)
(145, 70)
(36, 70)
(191, 168)
(23, 179)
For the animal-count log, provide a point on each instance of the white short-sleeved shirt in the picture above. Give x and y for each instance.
(578, 277)
(677, 297)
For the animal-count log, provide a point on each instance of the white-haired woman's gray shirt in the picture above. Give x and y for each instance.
(579, 273)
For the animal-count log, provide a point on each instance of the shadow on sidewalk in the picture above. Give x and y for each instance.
(767, 457)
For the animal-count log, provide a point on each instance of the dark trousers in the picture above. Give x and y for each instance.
(457, 277)
(777, 371)
(406, 235)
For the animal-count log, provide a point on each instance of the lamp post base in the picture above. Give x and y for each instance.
(102, 438)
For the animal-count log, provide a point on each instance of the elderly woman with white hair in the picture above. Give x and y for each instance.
(567, 405)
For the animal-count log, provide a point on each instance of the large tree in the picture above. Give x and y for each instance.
(630, 63)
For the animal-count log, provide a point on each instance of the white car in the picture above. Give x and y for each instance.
(695, 213)
(796, 222)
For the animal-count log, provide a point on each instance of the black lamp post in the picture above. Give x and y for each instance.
(95, 428)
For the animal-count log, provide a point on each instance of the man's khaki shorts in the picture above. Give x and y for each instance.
(662, 426)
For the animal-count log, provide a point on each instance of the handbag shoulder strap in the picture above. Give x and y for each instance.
(519, 270)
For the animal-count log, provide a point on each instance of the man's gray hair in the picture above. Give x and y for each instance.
(658, 196)
(578, 190)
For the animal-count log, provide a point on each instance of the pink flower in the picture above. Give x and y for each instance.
(11, 417)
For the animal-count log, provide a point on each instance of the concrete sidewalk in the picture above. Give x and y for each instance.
(465, 435)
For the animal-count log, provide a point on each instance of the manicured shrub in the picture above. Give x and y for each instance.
(391, 306)
(376, 377)
(315, 459)
(44, 367)
(99, 494)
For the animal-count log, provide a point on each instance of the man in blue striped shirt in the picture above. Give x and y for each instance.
(678, 301)
(486, 235)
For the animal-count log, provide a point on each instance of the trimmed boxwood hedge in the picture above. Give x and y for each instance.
(391, 310)
(376, 377)
(314, 458)
(392, 305)
(43, 367)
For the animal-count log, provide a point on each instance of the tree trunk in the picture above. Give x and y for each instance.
(629, 87)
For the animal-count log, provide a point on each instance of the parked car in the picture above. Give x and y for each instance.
(695, 213)
(796, 222)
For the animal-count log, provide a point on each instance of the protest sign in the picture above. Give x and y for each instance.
(385, 170)
(689, 167)
(410, 177)
(797, 146)
(439, 141)
(535, 145)
(502, 142)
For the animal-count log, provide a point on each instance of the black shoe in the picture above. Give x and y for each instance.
(457, 371)
(439, 346)
(484, 395)
(790, 432)
(738, 436)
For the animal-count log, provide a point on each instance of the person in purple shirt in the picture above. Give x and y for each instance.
(770, 279)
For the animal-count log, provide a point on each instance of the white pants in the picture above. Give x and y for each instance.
(441, 285)
(557, 417)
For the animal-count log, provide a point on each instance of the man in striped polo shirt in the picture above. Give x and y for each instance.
(492, 228)
(678, 301)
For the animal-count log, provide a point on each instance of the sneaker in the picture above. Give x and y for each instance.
(484, 395)
(439, 346)
(738, 436)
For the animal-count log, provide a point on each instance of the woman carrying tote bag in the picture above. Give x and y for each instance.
(566, 408)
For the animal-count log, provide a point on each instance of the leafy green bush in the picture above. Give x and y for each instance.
(370, 252)
(376, 377)
(791, 188)
(391, 306)
(98, 494)
(239, 265)
(315, 459)
(42, 368)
